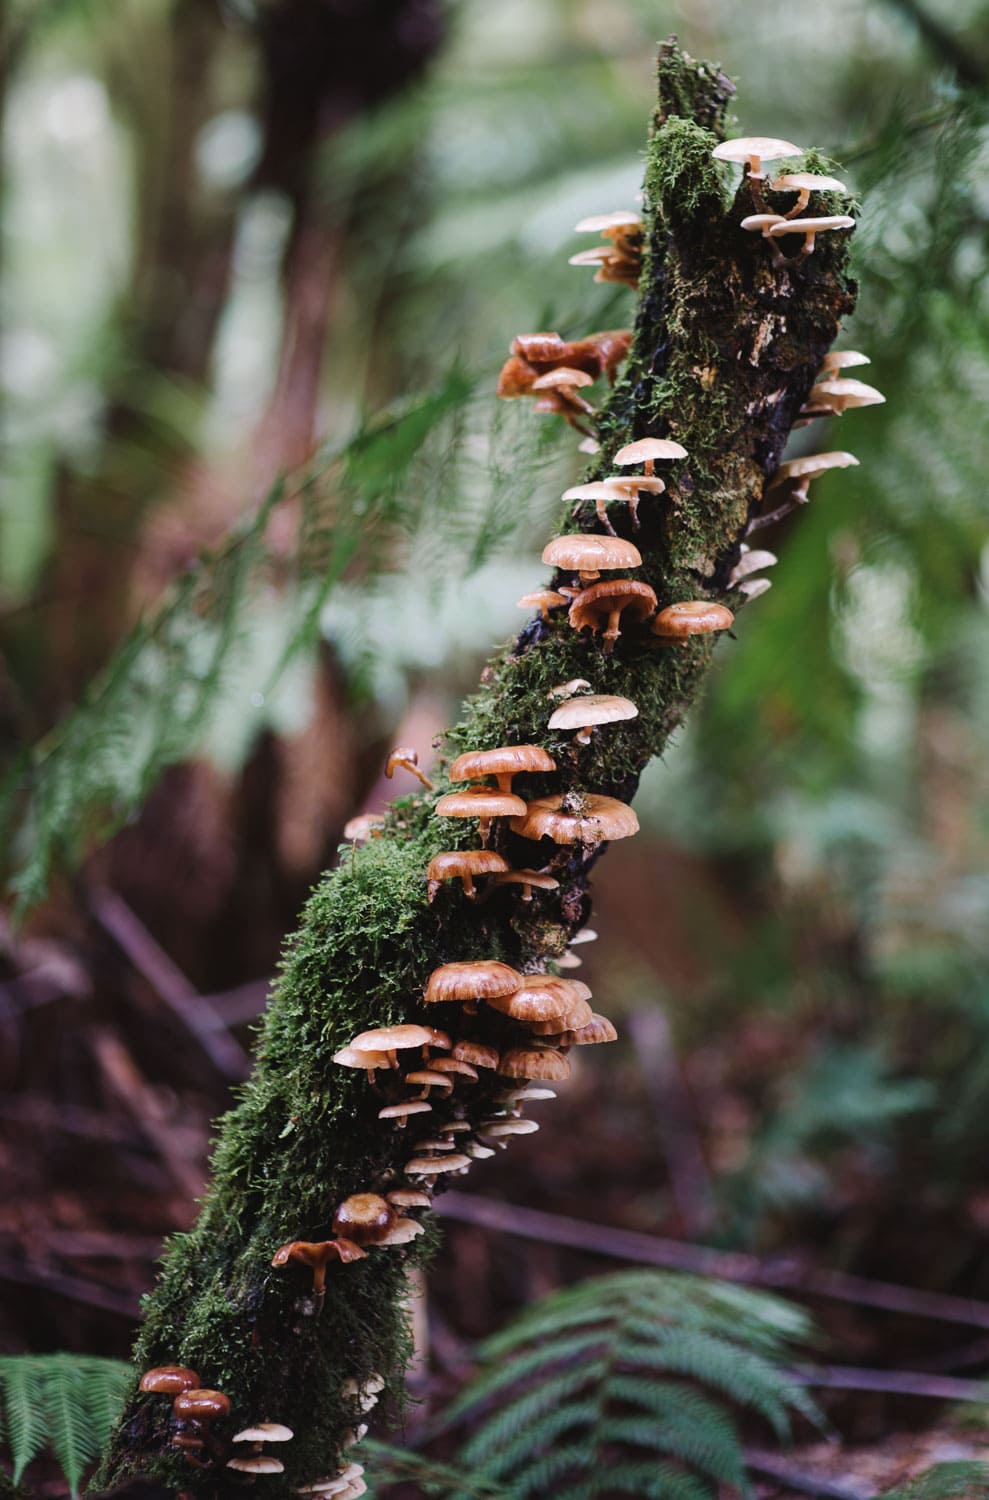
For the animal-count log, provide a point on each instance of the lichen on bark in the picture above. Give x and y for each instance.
(725, 351)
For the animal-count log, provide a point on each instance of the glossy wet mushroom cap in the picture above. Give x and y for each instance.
(537, 999)
(573, 818)
(590, 555)
(544, 600)
(471, 979)
(364, 1218)
(752, 150)
(534, 1062)
(588, 713)
(595, 1031)
(602, 607)
(409, 1198)
(169, 1380)
(840, 394)
(485, 803)
(503, 763)
(691, 617)
(199, 1405)
(392, 1038)
(465, 865)
(478, 1054)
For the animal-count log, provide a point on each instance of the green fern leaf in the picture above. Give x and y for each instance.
(24, 1419)
(954, 1481)
(65, 1402)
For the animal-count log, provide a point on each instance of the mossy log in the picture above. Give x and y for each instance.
(726, 347)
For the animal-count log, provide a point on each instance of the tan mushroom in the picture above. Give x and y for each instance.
(471, 980)
(428, 1079)
(595, 1031)
(402, 1232)
(365, 826)
(805, 470)
(464, 865)
(257, 1463)
(842, 359)
(394, 1039)
(753, 587)
(677, 622)
(540, 997)
(495, 1129)
(836, 395)
(504, 764)
(576, 818)
(811, 228)
(558, 390)
(349, 1057)
(478, 1054)
(534, 1062)
(752, 150)
(407, 758)
(619, 488)
(589, 555)
(485, 803)
(588, 713)
(457, 1065)
(401, 1112)
(432, 1166)
(761, 223)
(363, 1218)
(544, 600)
(604, 604)
(569, 689)
(648, 452)
(529, 880)
(752, 560)
(316, 1256)
(409, 1198)
(803, 184)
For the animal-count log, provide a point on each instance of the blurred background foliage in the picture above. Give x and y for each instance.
(286, 243)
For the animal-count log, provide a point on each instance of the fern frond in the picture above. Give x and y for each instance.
(640, 1369)
(66, 1402)
(954, 1481)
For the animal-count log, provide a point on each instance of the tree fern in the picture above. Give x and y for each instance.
(67, 1403)
(627, 1376)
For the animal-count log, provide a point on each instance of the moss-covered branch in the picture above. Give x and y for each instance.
(725, 351)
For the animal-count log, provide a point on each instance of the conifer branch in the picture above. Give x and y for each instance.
(727, 344)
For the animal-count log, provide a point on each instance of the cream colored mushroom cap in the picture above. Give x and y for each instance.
(599, 818)
(761, 223)
(849, 392)
(349, 1057)
(264, 1432)
(764, 147)
(691, 617)
(753, 587)
(598, 708)
(598, 223)
(258, 1463)
(807, 181)
(586, 552)
(431, 1166)
(645, 448)
(627, 486)
(564, 377)
(478, 802)
(402, 1232)
(811, 226)
(844, 359)
(814, 463)
(596, 256)
(597, 489)
(392, 1038)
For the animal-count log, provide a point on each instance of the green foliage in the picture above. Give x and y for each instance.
(954, 1481)
(388, 1466)
(627, 1382)
(66, 1403)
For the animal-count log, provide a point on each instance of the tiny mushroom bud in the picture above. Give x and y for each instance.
(803, 184)
(408, 758)
(678, 622)
(589, 555)
(169, 1380)
(603, 604)
(485, 803)
(529, 880)
(586, 714)
(752, 150)
(463, 865)
(504, 764)
(811, 228)
(576, 818)
(363, 1218)
(542, 599)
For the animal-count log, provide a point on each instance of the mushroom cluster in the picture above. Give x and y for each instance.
(552, 371)
(750, 152)
(620, 257)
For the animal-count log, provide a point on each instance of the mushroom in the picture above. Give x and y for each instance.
(586, 934)
(409, 1198)
(796, 476)
(428, 1079)
(598, 1029)
(337, 1484)
(504, 764)
(471, 980)
(478, 1054)
(365, 826)
(568, 689)
(588, 445)
(576, 818)
(761, 223)
(457, 1066)
(752, 150)
(169, 1380)
(811, 228)
(485, 803)
(803, 184)
(364, 1218)
(540, 997)
(648, 452)
(753, 587)
(316, 1256)
(678, 622)
(257, 1463)
(408, 758)
(588, 555)
(752, 560)
(603, 604)
(619, 225)
(200, 1408)
(585, 714)
(562, 385)
(432, 1166)
(529, 880)
(511, 1126)
(525, 1094)
(395, 1039)
(401, 1112)
(350, 1057)
(620, 259)
(842, 359)
(402, 1232)
(534, 1062)
(454, 1127)
(838, 394)
(432, 1143)
(618, 487)
(463, 865)
(477, 1151)
(264, 1432)
(354, 1437)
(542, 599)
(366, 1393)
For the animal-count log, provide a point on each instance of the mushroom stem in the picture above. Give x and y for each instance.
(803, 198)
(601, 507)
(613, 631)
(484, 830)
(583, 736)
(798, 497)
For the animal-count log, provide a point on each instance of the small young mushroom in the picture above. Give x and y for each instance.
(811, 228)
(365, 826)
(677, 622)
(407, 758)
(257, 1463)
(648, 452)
(409, 1198)
(604, 604)
(485, 803)
(752, 560)
(478, 1054)
(394, 1039)
(842, 359)
(569, 689)
(402, 1232)
(837, 395)
(401, 1112)
(534, 1062)
(363, 1218)
(457, 1066)
(588, 555)
(471, 980)
(350, 1057)
(463, 865)
(563, 384)
(586, 714)
(428, 1079)
(803, 184)
(504, 764)
(793, 478)
(529, 880)
(761, 223)
(753, 587)
(316, 1256)
(478, 1152)
(432, 1166)
(576, 818)
(169, 1380)
(366, 1393)
(544, 600)
(752, 150)
(200, 1408)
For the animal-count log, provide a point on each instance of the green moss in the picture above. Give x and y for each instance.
(725, 350)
